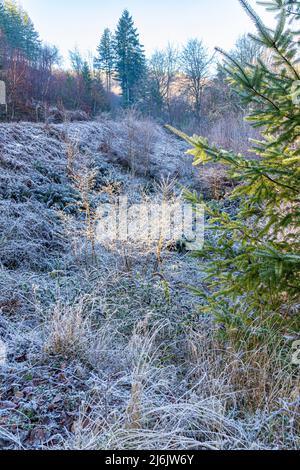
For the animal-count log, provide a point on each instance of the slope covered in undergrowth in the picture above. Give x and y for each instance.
(105, 348)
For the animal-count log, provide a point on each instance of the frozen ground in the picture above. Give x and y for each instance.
(105, 346)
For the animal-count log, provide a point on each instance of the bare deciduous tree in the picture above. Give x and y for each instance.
(195, 65)
(246, 50)
(163, 69)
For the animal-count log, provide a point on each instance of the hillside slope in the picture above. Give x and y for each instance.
(105, 347)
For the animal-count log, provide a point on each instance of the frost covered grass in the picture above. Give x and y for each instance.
(105, 347)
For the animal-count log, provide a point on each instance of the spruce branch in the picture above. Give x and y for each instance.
(270, 41)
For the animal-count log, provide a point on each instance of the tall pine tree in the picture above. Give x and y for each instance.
(106, 58)
(130, 58)
(17, 29)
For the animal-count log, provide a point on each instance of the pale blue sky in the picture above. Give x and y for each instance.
(67, 23)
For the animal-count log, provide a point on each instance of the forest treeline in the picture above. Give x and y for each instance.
(183, 86)
(32, 73)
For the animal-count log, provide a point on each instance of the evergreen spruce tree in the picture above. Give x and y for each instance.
(31, 39)
(106, 57)
(87, 82)
(130, 58)
(2, 34)
(86, 76)
(254, 278)
(18, 30)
